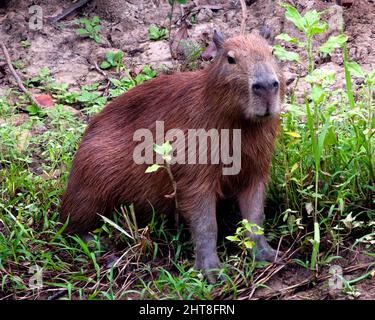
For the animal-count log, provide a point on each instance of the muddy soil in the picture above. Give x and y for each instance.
(71, 59)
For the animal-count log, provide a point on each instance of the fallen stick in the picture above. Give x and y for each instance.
(69, 10)
(104, 74)
(15, 75)
(244, 17)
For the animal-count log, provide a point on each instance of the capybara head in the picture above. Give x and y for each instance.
(245, 69)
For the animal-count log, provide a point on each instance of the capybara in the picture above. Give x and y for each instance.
(241, 89)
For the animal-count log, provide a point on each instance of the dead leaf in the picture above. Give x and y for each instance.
(45, 100)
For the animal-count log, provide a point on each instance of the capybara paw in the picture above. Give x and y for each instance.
(266, 253)
(210, 267)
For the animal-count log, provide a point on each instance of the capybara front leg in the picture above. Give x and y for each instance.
(203, 225)
(251, 203)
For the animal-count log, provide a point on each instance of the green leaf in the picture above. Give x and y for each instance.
(153, 168)
(283, 54)
(164, 149)
(91, 87)
(86, 96)
(116, 226)
(105, 65)
(319, 28)
(334, 42)
(317, 93)
(44, 72)
(259, 231)
(293, 15)
(316, 243)
(33, 109)
(348, 80)
(356, 70)
(330, 138)
(293, 134)
(287, 38)
(371, 77)
(89, 27)
(156, 33)
(321, 139)
(319, 76)
(116, 82)
(294, 167)
(311, 18)
(110, 56)
(249, 244)
(95, 20)
(232, 238)
(81, 32)
(310, 121)
(97, 38)
(118, 56)
(153, 33)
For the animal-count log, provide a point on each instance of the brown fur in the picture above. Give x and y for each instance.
(103, 174)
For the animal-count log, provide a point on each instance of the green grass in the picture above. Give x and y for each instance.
(321, 194)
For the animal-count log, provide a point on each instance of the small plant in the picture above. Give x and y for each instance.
(25, 44)
(34, 110)
(89, 28)
(129, 82)
(43, 78)
(310, 25)
(365, 136)
(165, 150)
(241, 236)
(46, 83)
(18, 64)
(192, 51)
(113, 60)
(319, 80)
(155, 33)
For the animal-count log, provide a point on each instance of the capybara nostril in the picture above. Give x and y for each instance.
(265, 86)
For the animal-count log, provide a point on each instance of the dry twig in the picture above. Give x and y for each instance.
(69, 10)
(16, 76)
(244, 16)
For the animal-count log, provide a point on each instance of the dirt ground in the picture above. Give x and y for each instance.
(72, 59)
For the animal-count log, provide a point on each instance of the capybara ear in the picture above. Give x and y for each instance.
(214, 47)
(218, 40)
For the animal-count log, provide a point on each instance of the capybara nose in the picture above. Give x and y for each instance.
(265, 86)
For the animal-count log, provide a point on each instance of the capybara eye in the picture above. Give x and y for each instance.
(231, 60)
